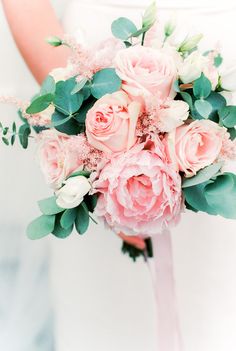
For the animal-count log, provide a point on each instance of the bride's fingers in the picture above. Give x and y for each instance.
(135, 241)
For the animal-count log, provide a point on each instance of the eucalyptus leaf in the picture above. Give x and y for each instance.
(5, 141)
(70, 127)
(91, 202)
(49, 206)
(82, 219)
(79, 86)
(40, 227)
(202, 87)
(195, 197)
(40, 104)
(203, 175)
(61, 232)
(228, 116)
(203, 107)
(48, 86)
(81, 115)
(232, 132)
(217, 102)
(221, 195)
(68, 218)
(24, 133)
(104, 82)
(123, 28)
(187, 98)
(65, 102)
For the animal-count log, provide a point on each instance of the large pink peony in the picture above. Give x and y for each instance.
(140, 193)
(111, 123)
(194, 146)
(146, 71)
(58, 156)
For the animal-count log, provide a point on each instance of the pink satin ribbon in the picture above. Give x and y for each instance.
(161, 267)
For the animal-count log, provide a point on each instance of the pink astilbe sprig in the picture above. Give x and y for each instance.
(20, 104)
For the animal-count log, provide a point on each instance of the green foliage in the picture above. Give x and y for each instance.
(202, 87)
(68, 218)
(49, 206)
(24, 133)
(91, 202)
(64, 101)
(40, 103)
(82, 219)
(67, 125)
(216, 196)
(41, 227)
(48, 86)
(134, 252)
(232, 132)
(80, 116)
(190, 43)
(218, 61)
(61, 232)
(79, 86)
(104, 82)
(217, 102)
(203, 175)
(123, 28)
(203, 107)
(228, 116)
(54, 41)
(149, 16)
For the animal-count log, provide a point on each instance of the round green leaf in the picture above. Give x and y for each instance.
(203, 108)
(221, 195)
(68, 218)
(203, 175)
(123, 28)
(202, 87)
(217, 102)
(41, 227)
(60, 232)
(64, 101)
(104, 82)
(40, 104)
(82, 219)
(70, 127)
(49, 206)
(228, 116)
(48, 86)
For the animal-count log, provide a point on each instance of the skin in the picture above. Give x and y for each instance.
(31, 22)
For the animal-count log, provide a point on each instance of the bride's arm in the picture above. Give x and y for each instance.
(31, 21)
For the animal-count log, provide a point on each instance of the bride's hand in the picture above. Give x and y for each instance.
(135, 241)
(31, 22)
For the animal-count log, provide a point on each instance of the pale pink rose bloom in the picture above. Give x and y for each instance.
(111, 123)
(140, 192)
(58, 156)
(195, 146)
(146, 71)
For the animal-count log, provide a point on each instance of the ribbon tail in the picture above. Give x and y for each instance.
(161, 267)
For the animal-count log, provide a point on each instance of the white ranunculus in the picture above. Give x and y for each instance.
(192, 67)
(73, 191)
(228, 79)
(172, 115)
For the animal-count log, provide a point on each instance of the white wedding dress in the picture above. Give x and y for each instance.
(103, 301)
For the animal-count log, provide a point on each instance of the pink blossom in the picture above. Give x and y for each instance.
(58, 156)
(140, 193)
(146, 71)
(111, 123)
(194, 146)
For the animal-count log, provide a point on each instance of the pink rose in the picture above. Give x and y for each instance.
(140, 193)
(195, 146)
(58, 156)
(111, 123)
(146, 71)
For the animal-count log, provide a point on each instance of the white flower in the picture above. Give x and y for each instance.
(73, 192)
(228, 79)
(229, 97)
(61, 73)
(172, 115)
(192, 67)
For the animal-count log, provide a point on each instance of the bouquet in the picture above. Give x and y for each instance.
(134, 131)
